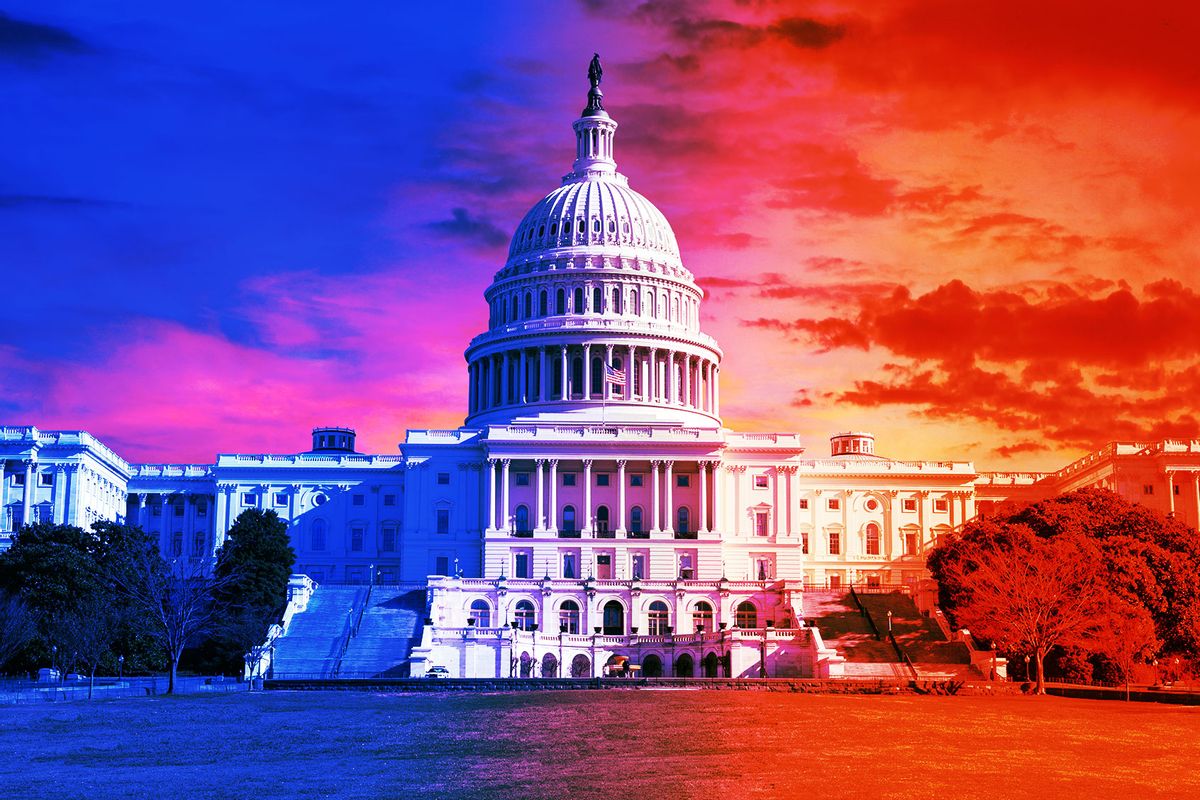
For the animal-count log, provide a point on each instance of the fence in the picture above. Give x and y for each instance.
(15, 690)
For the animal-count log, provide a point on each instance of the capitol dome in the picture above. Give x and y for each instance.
(593, 317)
(602, 215)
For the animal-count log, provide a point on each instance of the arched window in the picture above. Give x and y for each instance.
(521, 521)
(637, 303)
(516, 309)
(657, 618)
(581, 667)
(543, 307)
(675, 309)
(602, 520)
(524, 615)
(568, 617)
(596, 224)
(568, 519)
(580, 308)
(652, 666)
(872, 539)
(557, 377)
(702, 617)
(597, 300)
(560, 302)
(681, 520)
(746, 615)
(318, 535)
(481, 614)
(577, 386)
(614, 619)
(528, 305)
(597, 376)
(616, 301)
(635, 519)
(553, 228)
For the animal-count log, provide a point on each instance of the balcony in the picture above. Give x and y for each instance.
(686, 535)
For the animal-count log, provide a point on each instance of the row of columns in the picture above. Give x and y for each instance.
(662, 482)
(660, 375)
(66, 479)
(1195, 474)
(166, 502)
(520, 305)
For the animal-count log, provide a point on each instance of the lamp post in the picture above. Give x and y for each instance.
(120, 667)
(53, 658)
(889, 623)
(1027, 667)
(992, 677)
(724, 663)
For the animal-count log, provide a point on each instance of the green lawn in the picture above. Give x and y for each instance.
(607, 744)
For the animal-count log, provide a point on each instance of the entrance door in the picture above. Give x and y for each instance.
(614, 619)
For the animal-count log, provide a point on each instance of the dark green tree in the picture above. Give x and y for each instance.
(254, 567)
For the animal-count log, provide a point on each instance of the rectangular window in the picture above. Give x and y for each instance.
(568, 478)
(18, 479)
(442, 565)
(910, 543)
(201, 508)
(604, 570)
(760, 523)
(45, 479)
(359, 500)
(636, 480)
(318, 537)
(249, 499)
(389, 539)
(764, 570)
(357, 534)
(804, 504)
(389, 499)
(177, 509)
(280, 499)
(804, 542)
(835, 544)
(910, 505)
(638, 567)
(443, 520)
(834, 504)
(1177, 489)
(156, 510)
(570, 569)
(761, 481)
(199, 540)
(522, 479)
(443, 479)
(521, 567)
(1148, 488)
(835, 581)
(602, 479)
(687, 569)
(682, 481)
(941, 505)
(177, 544)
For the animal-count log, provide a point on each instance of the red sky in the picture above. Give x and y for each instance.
(967, 227)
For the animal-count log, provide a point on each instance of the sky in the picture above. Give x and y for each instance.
(970, 228)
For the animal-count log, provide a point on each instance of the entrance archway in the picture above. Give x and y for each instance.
(526, 665)
(684, 666)
(710, 665)
(549, 666)
(652, 667)
(581, 667)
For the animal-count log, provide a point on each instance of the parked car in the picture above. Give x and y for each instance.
(48, 675)
(437, 672)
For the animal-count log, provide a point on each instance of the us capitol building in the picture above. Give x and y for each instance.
(592, 504)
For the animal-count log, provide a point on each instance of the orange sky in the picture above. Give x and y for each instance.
(967, 227)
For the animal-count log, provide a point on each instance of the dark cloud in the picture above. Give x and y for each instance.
(22, 40)
(807, 33)
(477, 230)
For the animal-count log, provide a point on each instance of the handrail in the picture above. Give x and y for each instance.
(361, 611)
(352, 624)
(903, 655)
(863, 610)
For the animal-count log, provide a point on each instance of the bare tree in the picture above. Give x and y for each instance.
(88, 632)
(17, 626)
(1127, 638)
(178, 600)
(1031, 597)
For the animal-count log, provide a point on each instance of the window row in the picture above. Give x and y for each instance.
(388, 542)
(569, 522)
(614, 618)
(673, 306)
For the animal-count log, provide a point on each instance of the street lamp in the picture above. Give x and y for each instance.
(120, 667)
(889, 623)
(1027, 667)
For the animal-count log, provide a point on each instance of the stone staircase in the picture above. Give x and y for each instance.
(311, 645)
(843, 627)
(391, 626)
(932, 654)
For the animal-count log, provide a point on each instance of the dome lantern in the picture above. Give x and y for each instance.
(594, 131)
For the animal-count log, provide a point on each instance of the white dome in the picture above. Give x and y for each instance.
(602, 214)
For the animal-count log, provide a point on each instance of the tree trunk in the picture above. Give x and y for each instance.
(1041, 682)
(91, 682)
(174, 670)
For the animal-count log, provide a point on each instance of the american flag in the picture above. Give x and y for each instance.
(614, 376)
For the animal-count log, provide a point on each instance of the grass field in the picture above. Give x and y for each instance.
(606, 744)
